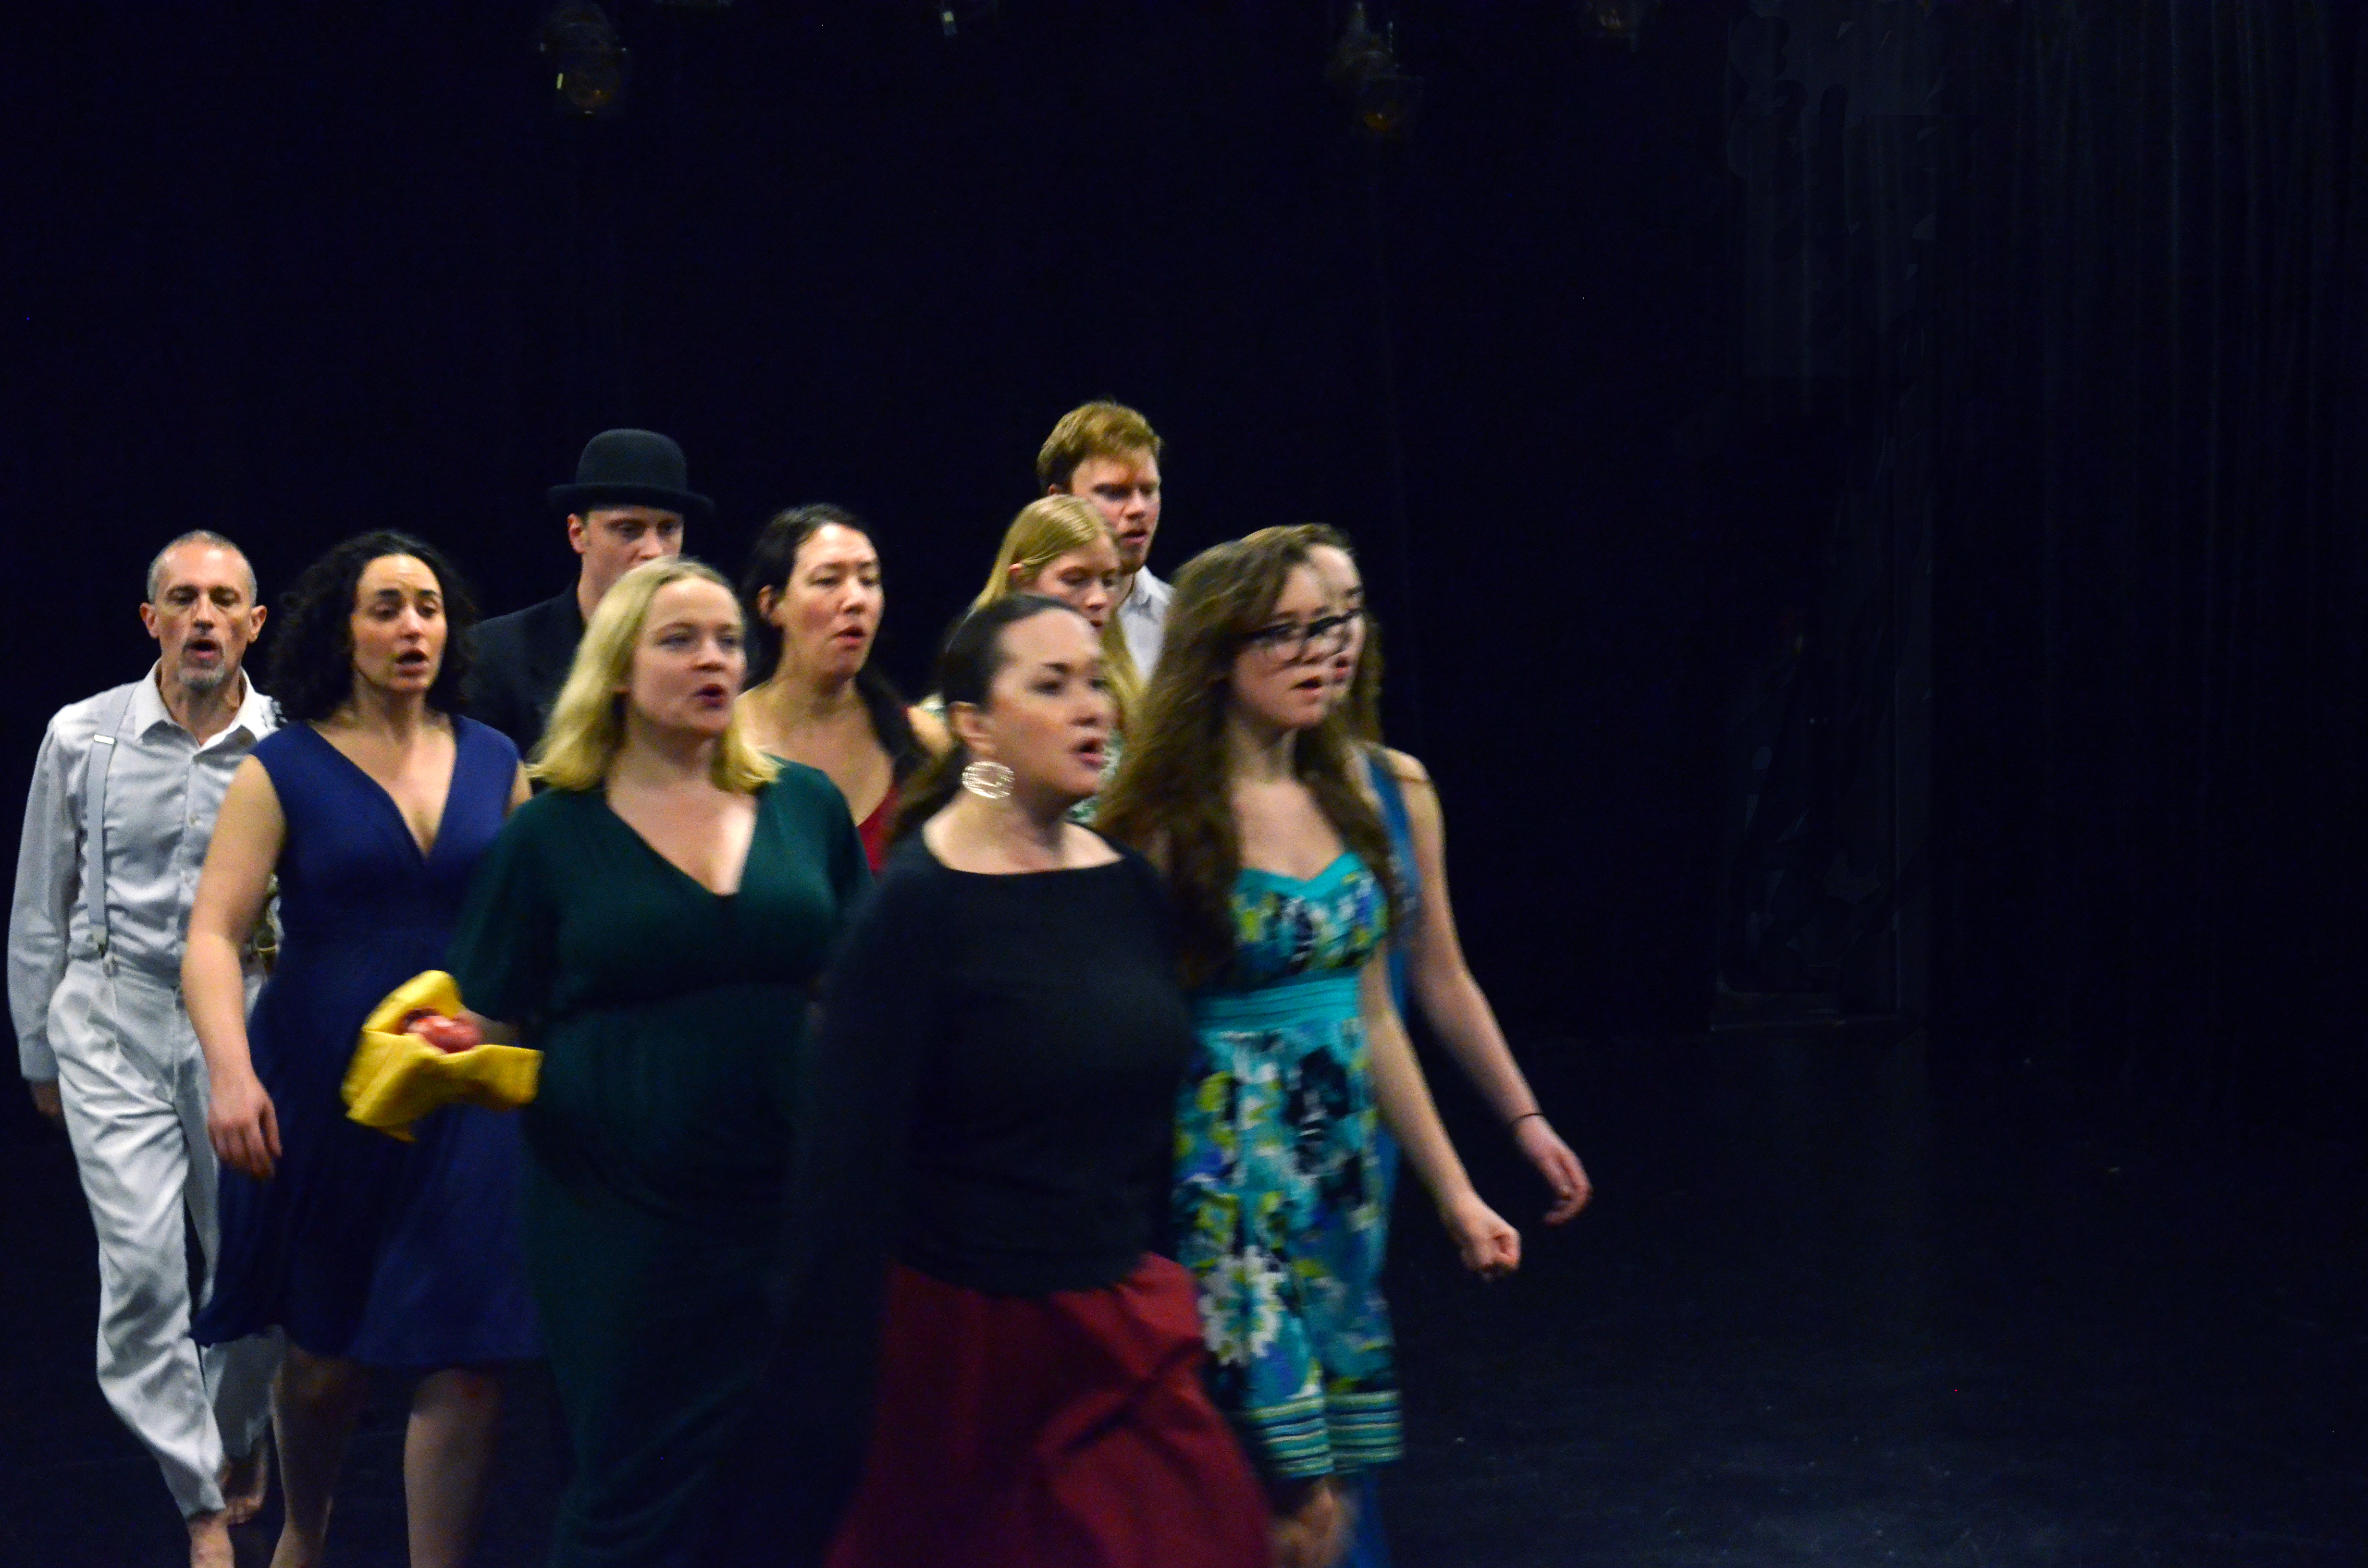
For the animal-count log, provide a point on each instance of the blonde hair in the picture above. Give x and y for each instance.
(1094, 430)
(587, 723)
(1047, 529)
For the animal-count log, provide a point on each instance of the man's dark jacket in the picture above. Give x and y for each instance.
(521, 662)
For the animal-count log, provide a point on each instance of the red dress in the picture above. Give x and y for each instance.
(1069, 1430)
(1000, 1059)
(874, 829)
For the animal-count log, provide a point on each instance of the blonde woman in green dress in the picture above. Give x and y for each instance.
(655, 921)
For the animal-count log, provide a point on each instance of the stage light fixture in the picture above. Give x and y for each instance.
(949, 14)
(1620, 21)
(579, 43)
(1365, 70)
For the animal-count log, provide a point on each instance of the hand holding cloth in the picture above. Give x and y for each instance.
(397, 1075)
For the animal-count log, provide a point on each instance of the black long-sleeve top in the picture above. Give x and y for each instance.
(993, 1094)
(990, 1100)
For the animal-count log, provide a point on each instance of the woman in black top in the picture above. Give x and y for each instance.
(991, 1100)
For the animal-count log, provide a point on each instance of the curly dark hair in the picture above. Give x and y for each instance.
(311, 670)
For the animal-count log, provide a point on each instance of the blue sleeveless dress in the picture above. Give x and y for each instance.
(386, 1253)
(1400, 827)
(1369, 1547)
(1277, 1204)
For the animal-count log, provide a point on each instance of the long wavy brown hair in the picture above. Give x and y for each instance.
(1173, 795)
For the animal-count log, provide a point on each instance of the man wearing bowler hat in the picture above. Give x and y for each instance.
(627, 505)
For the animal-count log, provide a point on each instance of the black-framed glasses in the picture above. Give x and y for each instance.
(1291, 641)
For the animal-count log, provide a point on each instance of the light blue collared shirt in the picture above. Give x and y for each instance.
(1143, 618)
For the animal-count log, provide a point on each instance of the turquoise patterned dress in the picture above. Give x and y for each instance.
(1278, 1201)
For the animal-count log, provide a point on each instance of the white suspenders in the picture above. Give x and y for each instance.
(114, 712)
(262, 945)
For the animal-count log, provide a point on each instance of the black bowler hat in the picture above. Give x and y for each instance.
(631, 468)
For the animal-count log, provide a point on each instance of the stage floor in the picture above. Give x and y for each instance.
(1836, 1303)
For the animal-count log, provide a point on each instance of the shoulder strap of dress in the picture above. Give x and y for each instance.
(1392, 796)
(113, 712)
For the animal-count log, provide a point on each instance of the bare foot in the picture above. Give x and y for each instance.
(245, 1482)
(1344, 1517)
(209, 1541)
(1311, 1525)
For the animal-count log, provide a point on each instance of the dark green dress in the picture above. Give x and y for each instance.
(670, 1019)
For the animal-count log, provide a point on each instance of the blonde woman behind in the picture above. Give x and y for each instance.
(1058, 546)
(654, 923)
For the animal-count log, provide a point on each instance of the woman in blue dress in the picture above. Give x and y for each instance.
(1425, 958)
(1427, 964)
(1284, 888)
(372, 807)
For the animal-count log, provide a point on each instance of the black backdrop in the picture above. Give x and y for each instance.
(2152, 587)
(343, 267)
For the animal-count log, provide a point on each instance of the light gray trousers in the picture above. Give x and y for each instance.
(133, 1080)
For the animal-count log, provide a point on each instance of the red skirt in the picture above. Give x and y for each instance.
(1061, 1431)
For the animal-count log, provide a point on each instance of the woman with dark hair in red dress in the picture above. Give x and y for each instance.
(813, 597)
(983, 1363)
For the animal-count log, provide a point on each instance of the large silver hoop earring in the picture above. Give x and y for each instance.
(987, 780)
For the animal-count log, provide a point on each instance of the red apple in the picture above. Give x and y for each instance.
(448, 1035)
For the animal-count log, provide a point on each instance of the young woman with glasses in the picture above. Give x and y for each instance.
(1281, 877)
(1425, 958)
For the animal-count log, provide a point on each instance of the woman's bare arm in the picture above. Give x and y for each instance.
(1442, 983)
(1490, 1247)
(248, 834)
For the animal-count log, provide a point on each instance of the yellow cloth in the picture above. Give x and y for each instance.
(396, 1078)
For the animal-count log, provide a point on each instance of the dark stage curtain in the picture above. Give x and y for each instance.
(2149, 568)
(1832, 134)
